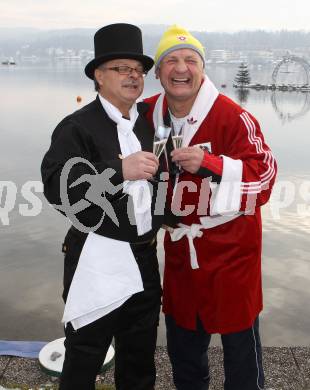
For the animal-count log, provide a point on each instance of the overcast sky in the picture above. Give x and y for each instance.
(204, 15)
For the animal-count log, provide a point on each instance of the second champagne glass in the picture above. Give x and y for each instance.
(177, 133)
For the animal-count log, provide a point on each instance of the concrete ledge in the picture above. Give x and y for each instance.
(286, 368)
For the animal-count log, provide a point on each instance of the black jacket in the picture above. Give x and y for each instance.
(90, 134)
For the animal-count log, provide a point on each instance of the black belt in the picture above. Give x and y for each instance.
(143, 244)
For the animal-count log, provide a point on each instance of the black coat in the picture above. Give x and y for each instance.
(89, 133)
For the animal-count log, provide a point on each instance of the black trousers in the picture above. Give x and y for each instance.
(188, 349)
(134, 328)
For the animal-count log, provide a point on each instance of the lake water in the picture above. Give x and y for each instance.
(35, 97)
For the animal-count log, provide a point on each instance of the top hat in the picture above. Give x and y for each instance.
(120, 40)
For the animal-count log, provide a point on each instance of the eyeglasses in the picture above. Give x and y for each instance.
(127, 70)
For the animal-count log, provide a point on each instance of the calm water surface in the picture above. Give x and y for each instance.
(34, 98)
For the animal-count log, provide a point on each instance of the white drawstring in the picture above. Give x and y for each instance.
(190, 232)
(194, 231)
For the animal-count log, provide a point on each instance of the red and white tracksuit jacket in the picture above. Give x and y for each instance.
(214, 270)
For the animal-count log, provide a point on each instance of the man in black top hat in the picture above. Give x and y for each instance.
(108, 135)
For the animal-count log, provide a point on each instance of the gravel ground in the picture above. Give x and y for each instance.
(285, 369)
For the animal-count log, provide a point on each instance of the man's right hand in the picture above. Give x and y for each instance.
(139, 165)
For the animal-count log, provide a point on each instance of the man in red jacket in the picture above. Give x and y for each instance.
(212, 279)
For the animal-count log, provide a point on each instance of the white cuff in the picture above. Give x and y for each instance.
(226, 197)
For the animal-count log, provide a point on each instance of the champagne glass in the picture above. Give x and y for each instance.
(160, 139)
(177, 133)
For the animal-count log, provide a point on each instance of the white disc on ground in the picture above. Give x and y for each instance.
(51, 357)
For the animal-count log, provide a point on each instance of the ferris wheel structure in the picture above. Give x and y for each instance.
(296, 69)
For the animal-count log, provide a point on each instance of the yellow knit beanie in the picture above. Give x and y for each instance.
(176, 37)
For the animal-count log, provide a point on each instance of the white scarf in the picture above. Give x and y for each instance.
(204, 101)
(129, 143)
